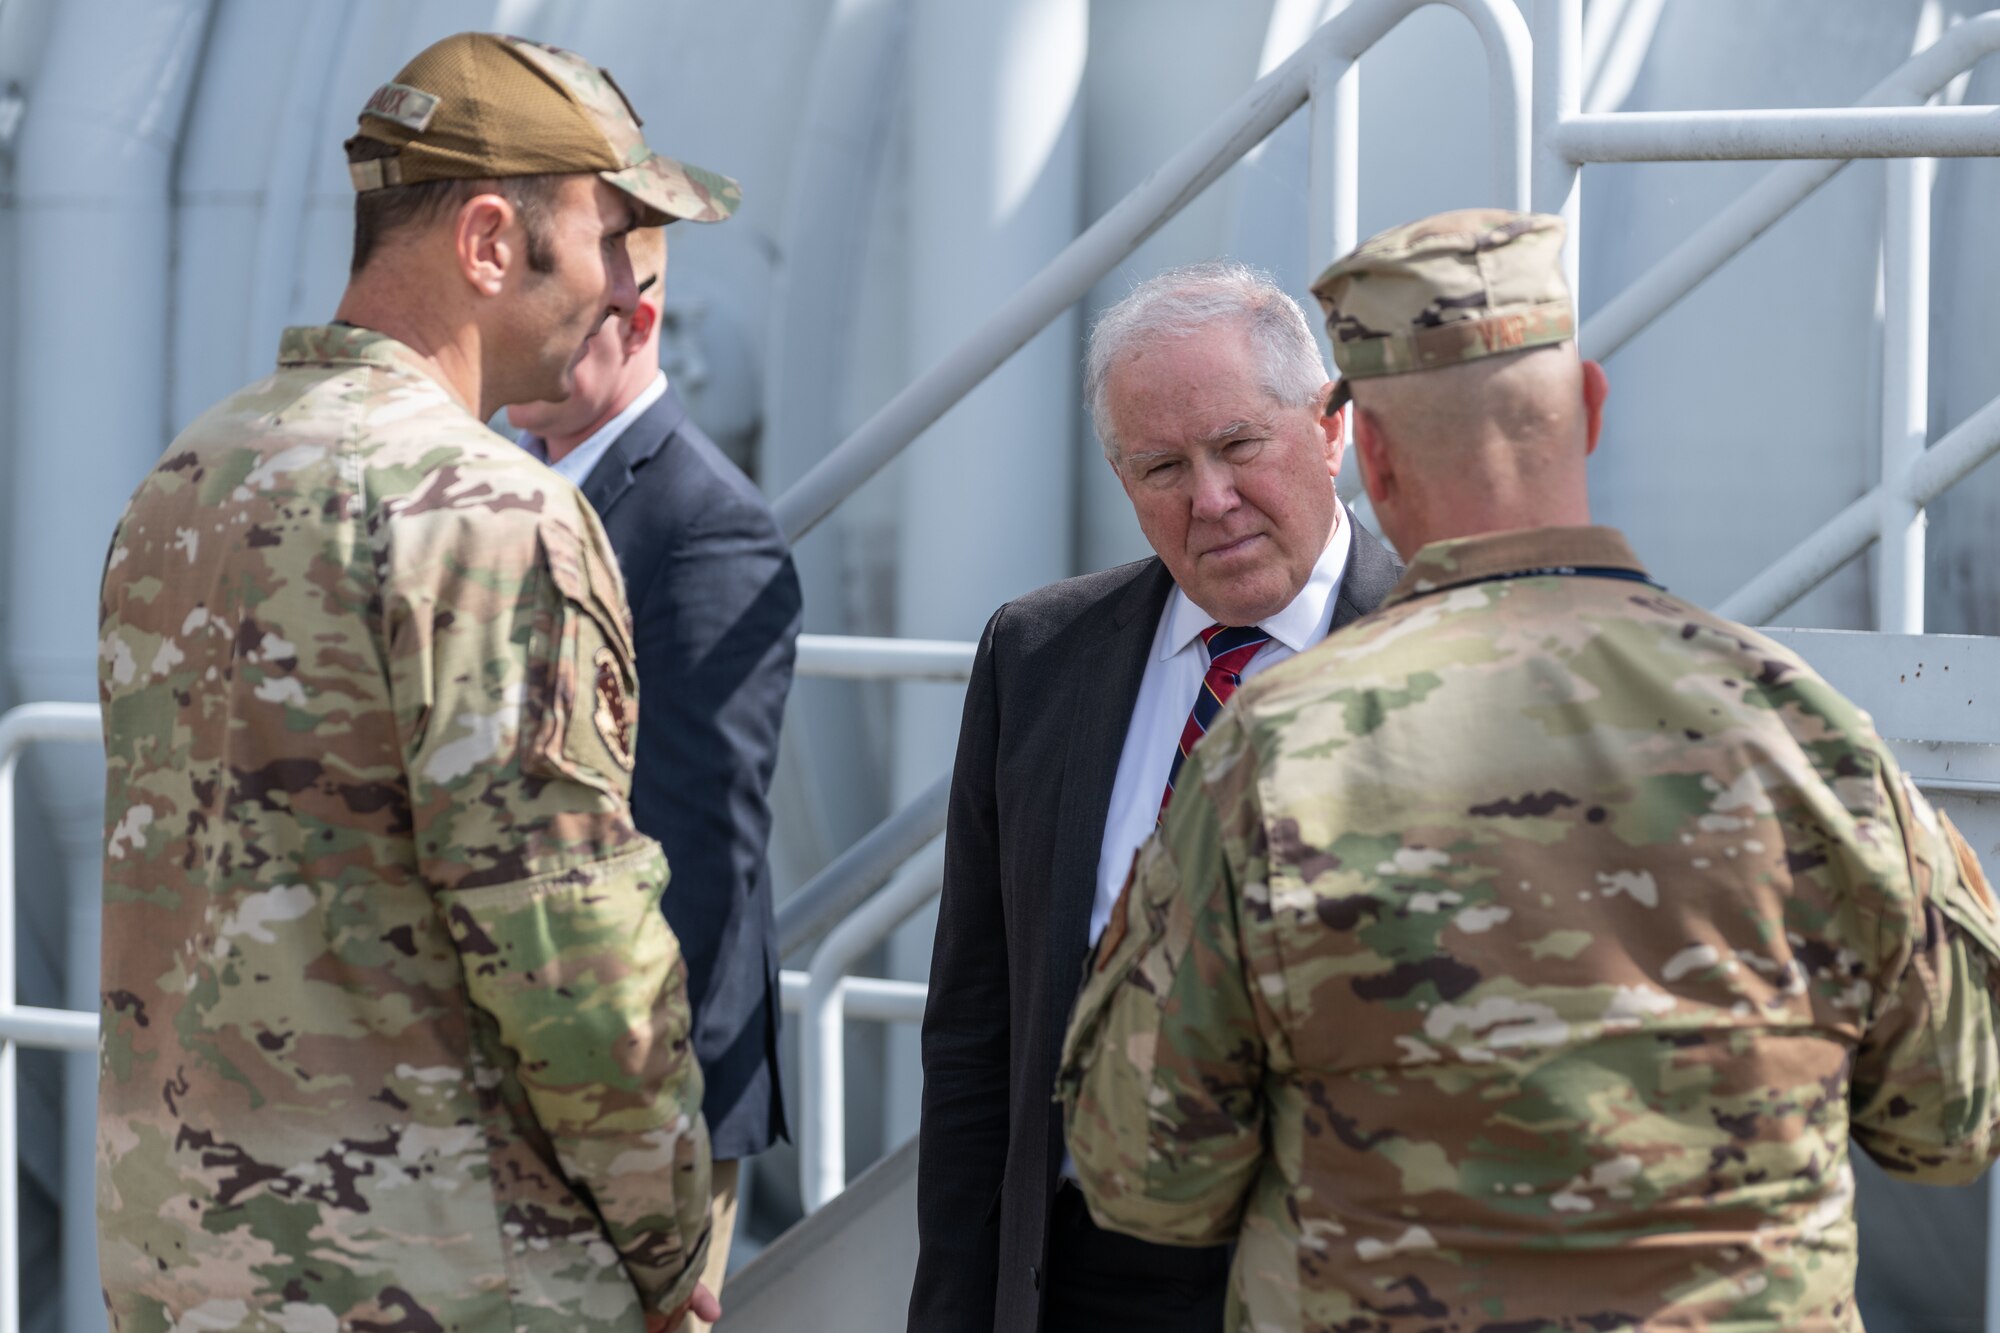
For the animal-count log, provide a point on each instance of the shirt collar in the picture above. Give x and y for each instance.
(348, 344)
(578, 462)
(1461, 560)
(1303, 622)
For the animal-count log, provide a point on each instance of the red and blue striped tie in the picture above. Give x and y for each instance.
(1229, 651)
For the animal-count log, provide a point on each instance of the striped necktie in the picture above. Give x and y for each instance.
(1229, 651)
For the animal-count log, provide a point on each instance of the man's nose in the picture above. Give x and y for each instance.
(1214, 491)
(624, 296)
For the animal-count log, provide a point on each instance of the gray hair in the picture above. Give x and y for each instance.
(1183, 301)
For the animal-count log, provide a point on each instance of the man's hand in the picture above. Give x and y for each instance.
(702, 1305)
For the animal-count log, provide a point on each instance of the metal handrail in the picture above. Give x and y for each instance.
(1884, 123)
(851, 878)
(21, 1025)
(858, 657)
(822, 1057)
(1806, 132)
(1753, 213)
(1113, 237)
(1855, 528)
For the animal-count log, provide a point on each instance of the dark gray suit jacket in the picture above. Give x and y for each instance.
(1051, 696)
(715, 609)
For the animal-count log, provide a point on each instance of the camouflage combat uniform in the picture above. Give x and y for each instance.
(1523, 959)
(395, 1036)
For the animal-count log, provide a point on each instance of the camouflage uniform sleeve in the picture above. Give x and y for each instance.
(512, 674)
(1163, 1065)
(1926, 1090)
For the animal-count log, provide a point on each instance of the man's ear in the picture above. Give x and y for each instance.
(1596, 388)
(479, 238)
(1334, 428)
(645, 316)
(1371, 444)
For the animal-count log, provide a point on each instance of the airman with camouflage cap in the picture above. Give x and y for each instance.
(484, 106)
(394, 1032)
(1526, 956)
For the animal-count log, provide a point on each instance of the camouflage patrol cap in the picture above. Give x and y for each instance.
(1451, 288)
(479, 105)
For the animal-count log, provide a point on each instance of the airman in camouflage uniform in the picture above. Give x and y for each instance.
(1525, 957)
(394, 1033)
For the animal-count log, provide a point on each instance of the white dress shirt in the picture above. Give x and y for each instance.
(575, 465)
(1167, 692)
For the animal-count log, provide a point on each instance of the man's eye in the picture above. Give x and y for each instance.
(1161, 471)
(1241, 451)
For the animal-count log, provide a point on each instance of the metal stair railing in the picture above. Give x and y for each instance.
(1889, 121)
(1322, 72)
(26, 1025)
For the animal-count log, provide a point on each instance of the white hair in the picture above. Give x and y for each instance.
(1184, 301)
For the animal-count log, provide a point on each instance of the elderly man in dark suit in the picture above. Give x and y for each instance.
(715, 609)
(1207, 391)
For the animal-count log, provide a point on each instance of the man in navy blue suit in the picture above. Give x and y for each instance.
(715, 608)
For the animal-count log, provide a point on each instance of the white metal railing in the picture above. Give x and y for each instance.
(857, 657)
(1890, 121)
(1321, 72)
(1785, 135)
(822, 1055)
(23, 1025)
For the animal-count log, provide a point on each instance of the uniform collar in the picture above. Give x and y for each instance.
(351, 345)
(1299, 626)
(1490, 555)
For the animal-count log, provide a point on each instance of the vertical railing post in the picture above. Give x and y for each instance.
(1333, 184)
(1906, 312)
(1906, 356)
(19, 729)
(823, 1071)
(1333, 177)
(1558, 182)
(10, 1147)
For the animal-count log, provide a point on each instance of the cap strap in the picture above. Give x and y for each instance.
(375, 174)
(1503, 331)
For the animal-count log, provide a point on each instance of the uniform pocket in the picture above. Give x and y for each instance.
(587, 686)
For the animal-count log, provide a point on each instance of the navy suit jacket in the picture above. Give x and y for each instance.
(715, 610)
(1051, 694)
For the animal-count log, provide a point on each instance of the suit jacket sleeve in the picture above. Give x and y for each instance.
(721, 609)
(962, 1150)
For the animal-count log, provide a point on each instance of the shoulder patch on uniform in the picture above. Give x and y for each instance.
(613, 713)
(412, 108)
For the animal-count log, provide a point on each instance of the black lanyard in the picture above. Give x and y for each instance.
(1553, 571)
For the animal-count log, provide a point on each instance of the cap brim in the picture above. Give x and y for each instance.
(670, 191)
(1342, 395)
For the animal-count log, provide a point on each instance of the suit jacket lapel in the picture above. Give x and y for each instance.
(1372, 570)
(645, 437)
(1104, 688)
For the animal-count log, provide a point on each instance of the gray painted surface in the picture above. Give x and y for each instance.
(848, 1266)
